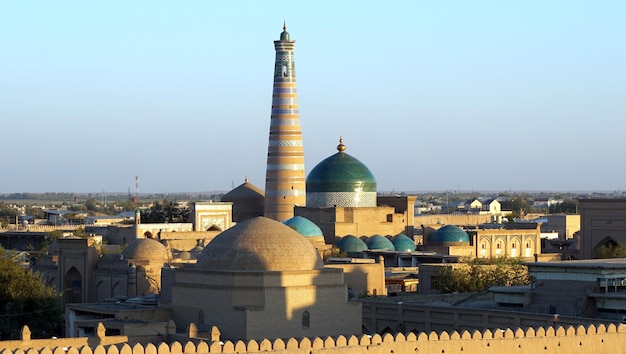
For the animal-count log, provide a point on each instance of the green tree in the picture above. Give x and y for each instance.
(25, 300)
(91, 204)
(610, 250)
(478, 274)
(165, 211)
(519, 207)
(129, 205)
(566, 207)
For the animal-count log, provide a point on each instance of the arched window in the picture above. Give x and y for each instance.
(305, 319)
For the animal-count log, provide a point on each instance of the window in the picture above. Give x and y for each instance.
(305, 319)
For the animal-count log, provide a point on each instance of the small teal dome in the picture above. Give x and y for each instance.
(304, 226)
(380, 243)
(403, 243)
(448, 234)
(351, 244)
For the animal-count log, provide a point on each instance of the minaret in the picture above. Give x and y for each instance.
(284, 178)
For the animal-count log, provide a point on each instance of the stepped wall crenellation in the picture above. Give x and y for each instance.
(559, 339)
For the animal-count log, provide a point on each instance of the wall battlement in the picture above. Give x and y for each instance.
(570, 339)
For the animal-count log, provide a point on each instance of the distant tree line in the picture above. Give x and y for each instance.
(568, 206)
(520, 206)
(165, 211)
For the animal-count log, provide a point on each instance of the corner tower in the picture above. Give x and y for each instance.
(284, 178)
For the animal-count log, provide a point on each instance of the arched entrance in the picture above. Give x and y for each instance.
(73, 286)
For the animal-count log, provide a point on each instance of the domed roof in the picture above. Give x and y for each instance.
(259, 244)
(284, 36)
(340, 173)
(304, 226)
(403, 243)
(380, 243)
(244, 192)
(185, 255)
(448, 234)
(351, 244)
(146, 249)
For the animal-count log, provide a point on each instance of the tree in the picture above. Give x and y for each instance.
(519, 207)
(129, 205)
(165, 211)
(566, 207)
(478, 274)
(91, 204)
(25, 300)
(610, 250)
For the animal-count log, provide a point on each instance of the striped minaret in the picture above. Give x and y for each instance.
(284, 178)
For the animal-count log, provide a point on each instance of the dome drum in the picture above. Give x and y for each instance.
(341, 199)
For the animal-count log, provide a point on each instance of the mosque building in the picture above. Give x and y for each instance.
(341, 198)
(262, 279)
(248, 201)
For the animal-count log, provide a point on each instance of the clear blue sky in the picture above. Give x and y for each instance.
(431, 95)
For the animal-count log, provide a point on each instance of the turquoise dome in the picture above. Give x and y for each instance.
(304, 226)
(380, 243)
(448, 234)
(403, 243)
(351, 244)
(340, 173)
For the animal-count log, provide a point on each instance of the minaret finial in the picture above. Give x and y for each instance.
(284, 25)
(341, 147)
(246, 179)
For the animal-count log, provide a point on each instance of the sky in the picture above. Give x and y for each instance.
(430, 95)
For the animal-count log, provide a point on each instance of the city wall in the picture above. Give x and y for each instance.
(42, 228)
(383, 316)
(571, 339)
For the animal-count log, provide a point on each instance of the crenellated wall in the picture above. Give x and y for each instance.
(571, 339)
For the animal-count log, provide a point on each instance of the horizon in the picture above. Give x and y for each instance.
(430, 96)
(380, 192)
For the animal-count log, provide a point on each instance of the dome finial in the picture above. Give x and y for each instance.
(246, 179)
(341, 147)
(284, 25)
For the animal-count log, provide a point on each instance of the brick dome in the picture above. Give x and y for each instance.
(146, 249)
(259, 244)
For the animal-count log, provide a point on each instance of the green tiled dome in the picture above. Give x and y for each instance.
(403, 243)
(380, 243)
(351, 244)
(448, 234)
(304, 226)
(340, 173)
